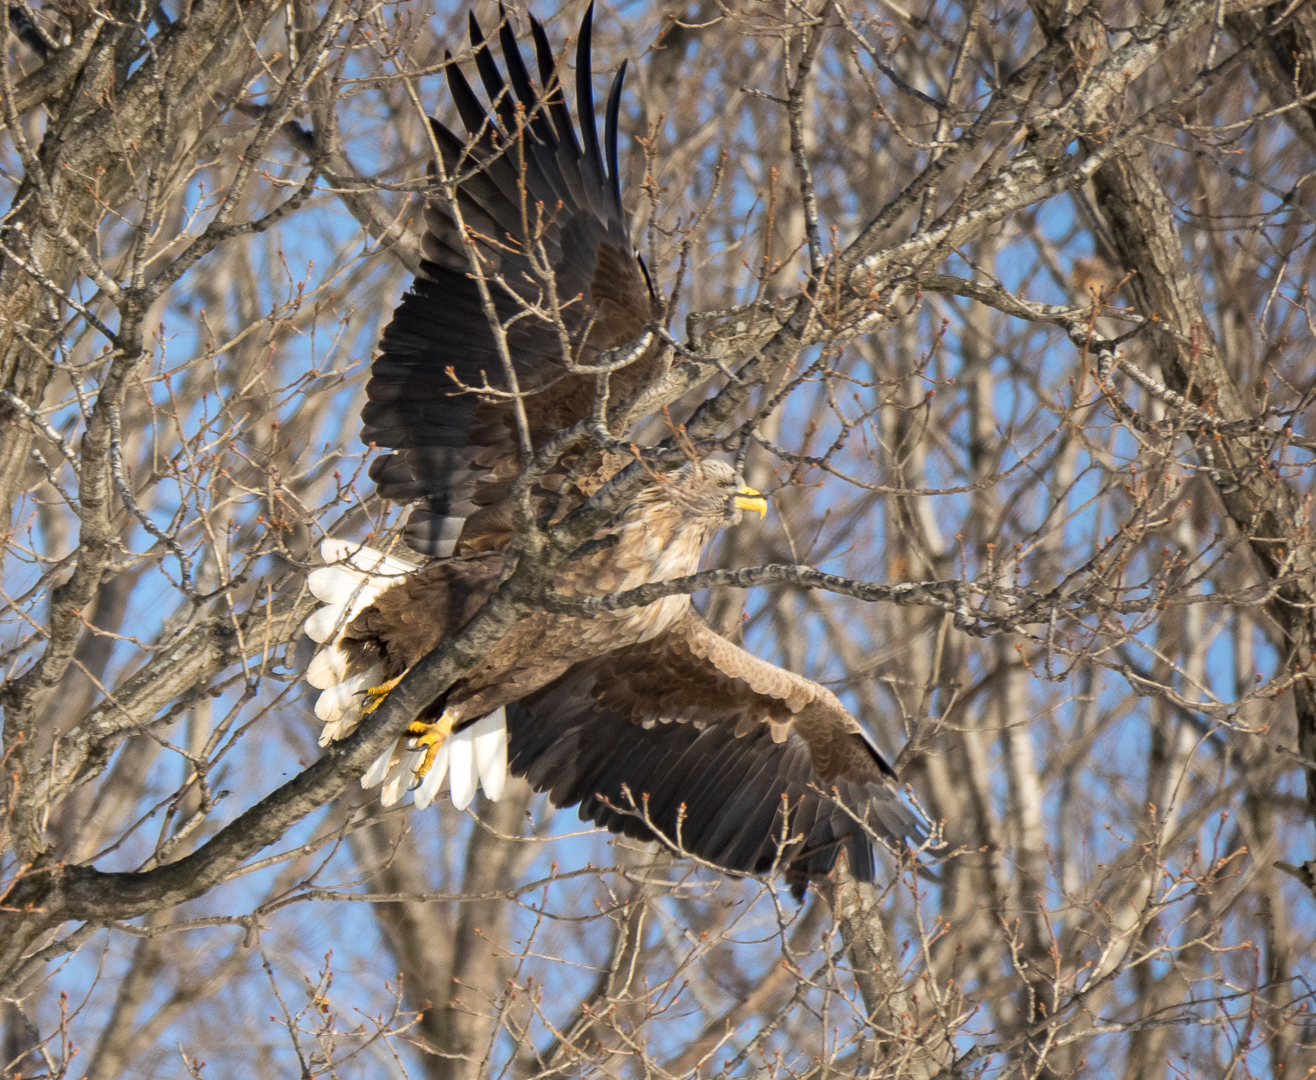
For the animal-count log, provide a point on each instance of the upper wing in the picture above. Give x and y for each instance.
(720, 743)
(528, 185)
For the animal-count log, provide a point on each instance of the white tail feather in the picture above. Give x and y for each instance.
(344, 699)
(471, 759)
(325, 623)
(399, 776)
(337, 729)
(489, 739)
(379, 769)
(367, 559)
(462, 780)
(336, 584)
(346, 588)
(327, 667)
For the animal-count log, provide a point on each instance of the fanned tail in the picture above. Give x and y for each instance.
(474, 757)
(350, 584)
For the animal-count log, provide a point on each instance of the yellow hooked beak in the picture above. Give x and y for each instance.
(749, 499)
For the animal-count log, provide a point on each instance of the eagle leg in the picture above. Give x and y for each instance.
(375, 695)
(432, 737)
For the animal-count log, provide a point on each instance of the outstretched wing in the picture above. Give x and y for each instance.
(730, 753)
(527, 186)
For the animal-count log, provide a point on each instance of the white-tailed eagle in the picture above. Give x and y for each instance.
(645, 717)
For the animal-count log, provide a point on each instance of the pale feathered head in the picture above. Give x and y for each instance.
(707, 496)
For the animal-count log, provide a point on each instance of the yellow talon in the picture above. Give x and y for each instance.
(375, 695)
(432, 737)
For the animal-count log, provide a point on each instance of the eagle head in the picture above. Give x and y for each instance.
(706, 496)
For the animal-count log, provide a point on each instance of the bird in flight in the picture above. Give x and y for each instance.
(655, 724)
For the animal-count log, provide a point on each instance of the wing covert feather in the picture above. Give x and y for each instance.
(717, 744)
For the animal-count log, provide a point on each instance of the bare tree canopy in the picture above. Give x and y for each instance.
(1006, 310)
(656, 724)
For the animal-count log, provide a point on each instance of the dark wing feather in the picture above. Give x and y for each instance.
(592, 160)
(457, 453)
(733, 752)
(610, 133)
(557, 103)
(491, 77)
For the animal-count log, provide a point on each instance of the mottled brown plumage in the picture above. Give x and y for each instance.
(662, 535)
(651, 721)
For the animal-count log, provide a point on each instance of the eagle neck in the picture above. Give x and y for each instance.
(654, 546)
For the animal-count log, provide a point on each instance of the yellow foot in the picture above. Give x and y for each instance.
(375, 695)
(432, 737)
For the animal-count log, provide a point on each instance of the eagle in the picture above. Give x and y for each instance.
(653, 723)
